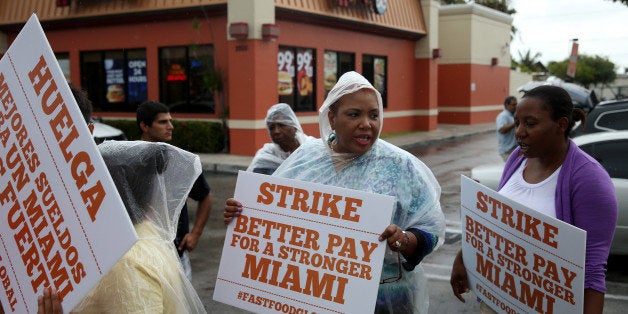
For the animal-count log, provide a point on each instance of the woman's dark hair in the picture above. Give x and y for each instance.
(557, 101)
(85, 105)
(135, 177)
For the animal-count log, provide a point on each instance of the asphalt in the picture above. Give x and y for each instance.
(444, 132)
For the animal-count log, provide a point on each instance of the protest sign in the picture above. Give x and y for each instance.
(519, 260)
(301, 247)
(62, 222)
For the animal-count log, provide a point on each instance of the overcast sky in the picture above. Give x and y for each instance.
(548, 27)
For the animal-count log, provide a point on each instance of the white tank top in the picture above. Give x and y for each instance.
(538, 196)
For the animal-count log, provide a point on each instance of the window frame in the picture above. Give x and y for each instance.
(188, 101)
(370, 74)
(342, 67)
(94, 78)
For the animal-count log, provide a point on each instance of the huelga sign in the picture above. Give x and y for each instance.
(301, 247)
(62, 222)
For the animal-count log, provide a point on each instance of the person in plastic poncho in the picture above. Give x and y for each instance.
(153, 180)
(349, 154)
(286, 135)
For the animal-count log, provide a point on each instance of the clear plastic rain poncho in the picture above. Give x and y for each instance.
(153, 180)
(270, 156)
(384, 169)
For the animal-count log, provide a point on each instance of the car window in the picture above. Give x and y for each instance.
(613, 120)
(611, 155)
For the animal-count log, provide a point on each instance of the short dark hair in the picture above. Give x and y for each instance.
(509, 99)
(147, 112)
(558, 102)
(84, 104)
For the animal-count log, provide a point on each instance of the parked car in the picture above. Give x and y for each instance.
(610, 149)
(104, 132)
(611, 115)
(581, 97)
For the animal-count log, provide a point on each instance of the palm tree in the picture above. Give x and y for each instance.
(528, 62)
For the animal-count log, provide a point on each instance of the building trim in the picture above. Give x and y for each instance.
(475, 9)
(123, 18)
(358, 26)
(410, 113)
(471, 109)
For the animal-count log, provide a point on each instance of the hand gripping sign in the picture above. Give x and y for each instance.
(62, 222)
(519, 260)
(301, 247)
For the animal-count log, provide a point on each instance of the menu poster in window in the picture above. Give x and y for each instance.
(285, 61)
(114, 74)
(379, 77)
(330, 69)
(63, 224)
(137, 80)
(305, 72)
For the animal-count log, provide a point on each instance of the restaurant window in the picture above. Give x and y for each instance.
(337, 64)
(115, 80)
(183, 75)
(296, 78)
(374, 70)
(63, 58)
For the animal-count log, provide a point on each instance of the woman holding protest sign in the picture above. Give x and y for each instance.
(350, 155)
(549, 173)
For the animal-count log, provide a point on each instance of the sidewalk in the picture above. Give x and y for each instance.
(444, 132)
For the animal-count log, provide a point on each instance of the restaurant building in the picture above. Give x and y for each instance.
(230, 60)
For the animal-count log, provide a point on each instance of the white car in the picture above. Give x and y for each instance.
(104, 132)
(608, 148)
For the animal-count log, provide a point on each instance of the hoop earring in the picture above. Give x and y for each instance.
(332, 139)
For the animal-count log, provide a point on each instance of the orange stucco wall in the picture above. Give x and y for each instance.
(490, 84)
(427, 93)
(252, 87)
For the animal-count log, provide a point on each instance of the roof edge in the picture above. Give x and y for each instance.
(476, 9)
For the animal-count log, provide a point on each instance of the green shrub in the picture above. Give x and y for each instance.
(193, 136)
(129, 127)
(198, 136)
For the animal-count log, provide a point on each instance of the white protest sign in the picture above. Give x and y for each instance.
(519, 260)
(301, 247)
(62, 222)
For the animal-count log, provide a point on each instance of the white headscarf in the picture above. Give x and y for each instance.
(348, 83)
(270, 156)
(283, 114)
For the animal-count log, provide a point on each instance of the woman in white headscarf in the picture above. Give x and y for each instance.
(153, 180)
(286, 135)
(351, 155)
